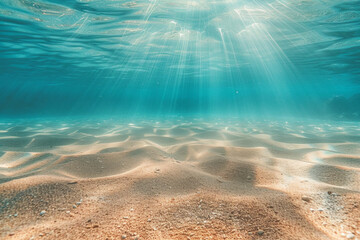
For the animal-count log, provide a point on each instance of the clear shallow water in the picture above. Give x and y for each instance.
(260, 99)
(159, 58)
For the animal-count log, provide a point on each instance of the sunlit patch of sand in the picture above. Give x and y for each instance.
(234, 180)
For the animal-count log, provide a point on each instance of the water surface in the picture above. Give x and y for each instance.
(201, 57)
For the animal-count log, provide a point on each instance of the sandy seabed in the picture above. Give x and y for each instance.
(180, 180)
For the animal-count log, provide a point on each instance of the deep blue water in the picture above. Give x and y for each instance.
(102, 58)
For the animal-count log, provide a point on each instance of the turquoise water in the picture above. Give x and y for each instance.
(165, 119)
(92, 58)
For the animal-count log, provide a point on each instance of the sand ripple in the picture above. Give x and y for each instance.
(187, 174)
(323, 153)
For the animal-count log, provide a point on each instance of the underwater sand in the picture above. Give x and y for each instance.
(180, 180)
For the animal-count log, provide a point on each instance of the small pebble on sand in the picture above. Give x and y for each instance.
(350, 236)
(306, 198)
(123, 236)
(42, 213)
(260, 232)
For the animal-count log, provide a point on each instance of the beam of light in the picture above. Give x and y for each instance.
(233, 55)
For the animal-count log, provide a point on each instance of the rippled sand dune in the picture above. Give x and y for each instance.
(180, 180)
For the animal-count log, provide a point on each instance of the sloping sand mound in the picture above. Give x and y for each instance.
(192, 180)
